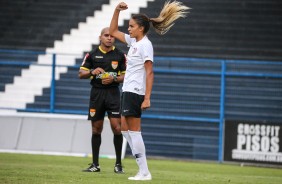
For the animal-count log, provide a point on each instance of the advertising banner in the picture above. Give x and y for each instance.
(253, 141)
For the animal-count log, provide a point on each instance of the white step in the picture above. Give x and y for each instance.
(72, 46)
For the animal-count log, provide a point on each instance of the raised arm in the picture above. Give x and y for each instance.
(114, 23)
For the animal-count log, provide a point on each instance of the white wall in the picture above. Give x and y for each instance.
(55, 134)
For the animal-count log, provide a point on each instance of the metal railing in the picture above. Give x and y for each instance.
(225, 69)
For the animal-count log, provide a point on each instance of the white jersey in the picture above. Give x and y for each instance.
(135, 75)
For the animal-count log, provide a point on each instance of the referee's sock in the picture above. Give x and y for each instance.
(96, 143)
(118, 139)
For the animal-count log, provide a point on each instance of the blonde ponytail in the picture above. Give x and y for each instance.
(170, 12)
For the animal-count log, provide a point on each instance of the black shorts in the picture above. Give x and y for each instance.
(131, 104)
(104, 100)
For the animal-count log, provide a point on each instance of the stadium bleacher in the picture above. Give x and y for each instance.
(218, 29)
(222, 29)
(35, 25)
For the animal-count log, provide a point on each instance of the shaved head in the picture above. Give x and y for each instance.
(106, 40)
(106, 29)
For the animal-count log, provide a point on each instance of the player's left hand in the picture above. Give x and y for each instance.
(145, 104)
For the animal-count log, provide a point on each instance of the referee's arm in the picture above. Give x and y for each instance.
(120, 77)
(86, 73)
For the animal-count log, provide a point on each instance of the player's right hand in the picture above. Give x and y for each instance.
(122, 6)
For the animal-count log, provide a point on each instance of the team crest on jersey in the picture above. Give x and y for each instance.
(134, 50)
(114, 64)
(92, 112)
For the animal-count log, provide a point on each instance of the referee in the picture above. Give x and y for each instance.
(106, 66)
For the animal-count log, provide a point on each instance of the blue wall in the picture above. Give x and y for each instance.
(191, 98)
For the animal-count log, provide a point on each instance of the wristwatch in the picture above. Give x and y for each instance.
(91, 72)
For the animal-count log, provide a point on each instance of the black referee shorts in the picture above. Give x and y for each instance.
(104, 100)
(131, 104)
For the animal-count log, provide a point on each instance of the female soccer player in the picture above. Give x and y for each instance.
(139, 76)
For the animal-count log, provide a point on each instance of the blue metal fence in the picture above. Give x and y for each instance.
(165, 65)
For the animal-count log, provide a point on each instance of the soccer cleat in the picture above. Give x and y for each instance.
(140, 176)
(118, 169)
(92, 168)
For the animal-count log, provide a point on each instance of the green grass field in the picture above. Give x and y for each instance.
(24, 168)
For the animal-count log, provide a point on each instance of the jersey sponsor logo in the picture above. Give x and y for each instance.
(100, 57)
(92, 112)
(114, 64)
